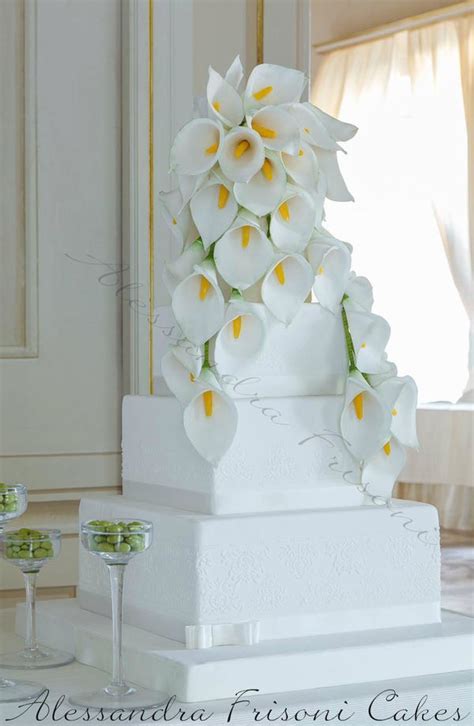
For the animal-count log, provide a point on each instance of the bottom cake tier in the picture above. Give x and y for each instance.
(216, 580)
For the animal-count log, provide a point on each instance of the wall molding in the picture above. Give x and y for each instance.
(30, 348)
(172, 69)
(63, 475)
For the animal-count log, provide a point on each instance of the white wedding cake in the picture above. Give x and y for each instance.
(267, 457)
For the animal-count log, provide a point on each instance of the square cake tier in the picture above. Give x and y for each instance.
(274, 575)
(306, 358)
(287, 454)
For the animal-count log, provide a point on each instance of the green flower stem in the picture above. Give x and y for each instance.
(210, 254)
(349, 342)
(206, 363)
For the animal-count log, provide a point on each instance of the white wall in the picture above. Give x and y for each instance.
(222, 29)
(60, 410)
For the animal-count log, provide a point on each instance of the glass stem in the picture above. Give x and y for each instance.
(30, 586)
(116, 573)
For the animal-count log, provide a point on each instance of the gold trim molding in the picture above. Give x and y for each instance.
(260, 29)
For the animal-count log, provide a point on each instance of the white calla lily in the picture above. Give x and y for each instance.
(319, 197)
(277, 129)
(197, 146)
(370, 334)
(381, 471)
(339, 130)
(198, 304)
(189, 184)
(365, 419)
(243, 255)
(264, 190)
(337, 190)
(269, 85)
(242, 154)
(210, 419)
(286, 286)
(323, 236)
(312, 129)
(176, 271)
(401, 395)
(213, 209)
(390, 372)
(235, 73)
(241, 336)
(178, 217)
(184, 384)
(359, 294)
(292, 223)
(224, 101)
(189, 355)
(331, 264)
(302, 168)
(246, 216)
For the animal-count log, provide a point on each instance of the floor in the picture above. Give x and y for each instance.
(457, 571)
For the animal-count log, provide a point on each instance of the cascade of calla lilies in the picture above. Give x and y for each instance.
(252, 176)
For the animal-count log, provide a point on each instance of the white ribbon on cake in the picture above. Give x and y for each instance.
(208, 636)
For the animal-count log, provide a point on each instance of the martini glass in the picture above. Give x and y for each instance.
(13, 502)
(116, 542)
(30, 550)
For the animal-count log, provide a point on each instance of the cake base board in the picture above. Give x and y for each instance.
(277, 666)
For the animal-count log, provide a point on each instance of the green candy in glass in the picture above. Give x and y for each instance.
(116, 543)
(114, 538)
(29, 550)
(12, 501)
(30, 547)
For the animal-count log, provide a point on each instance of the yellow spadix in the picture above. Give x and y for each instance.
(280, 273)
(204, 287)
(285, 211)
(359, 406)
(264, 131)
(267, 169)
(208, 401)
(258, 95)
(237, 327)
(241, 148)
(212, 148)
(245, 235)
(223, 196)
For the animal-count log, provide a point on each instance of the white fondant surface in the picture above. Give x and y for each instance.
(287, 453)
(305, 358)
(296, 573)
(277, 667)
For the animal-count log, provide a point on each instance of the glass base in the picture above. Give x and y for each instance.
(126, 697)
(22, 691)
(37, 658)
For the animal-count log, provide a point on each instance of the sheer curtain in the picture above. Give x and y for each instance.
(411, 170)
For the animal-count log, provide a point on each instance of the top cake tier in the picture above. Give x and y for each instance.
(306, 358)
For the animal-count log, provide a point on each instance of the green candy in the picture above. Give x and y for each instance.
(8, 500)
(28, 544)
(118, 537)
(124, 547)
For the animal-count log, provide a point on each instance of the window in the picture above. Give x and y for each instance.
(407, 169)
